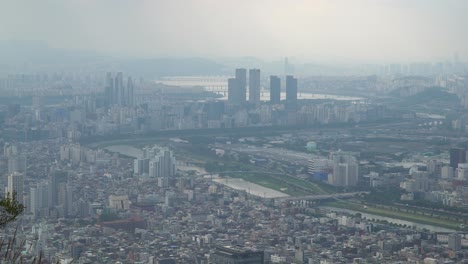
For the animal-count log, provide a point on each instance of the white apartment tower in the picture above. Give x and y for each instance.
(15, 185)
(345, 170)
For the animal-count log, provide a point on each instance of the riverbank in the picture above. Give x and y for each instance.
(251, 188)
(418, 219)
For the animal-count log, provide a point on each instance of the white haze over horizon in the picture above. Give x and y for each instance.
(372, 31)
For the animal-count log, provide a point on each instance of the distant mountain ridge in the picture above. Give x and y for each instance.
(34, 56)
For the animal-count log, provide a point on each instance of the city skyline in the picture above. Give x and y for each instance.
(247, 132)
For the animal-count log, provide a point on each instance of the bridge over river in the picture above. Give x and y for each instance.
(320, 197)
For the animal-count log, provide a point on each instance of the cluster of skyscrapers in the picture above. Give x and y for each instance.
(53, 196)
(118, 94)
(237, 89)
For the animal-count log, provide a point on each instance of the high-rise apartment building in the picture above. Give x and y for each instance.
(241, 76)
(129, 100)
(15, 186)
(254, 86)
(118, 94)
(119, 89)
(454, 241)
(162, 163)
(345, 170)
(109, 89)
(237, 88)
(39, 198)
(275, 90)
(17, 163)
(233, 91)
(291, 93)
(55, 181)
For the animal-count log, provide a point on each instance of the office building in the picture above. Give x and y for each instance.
(236, 255)
(254, 86)
(454, 242)
(15, 186)
(275, 90)
(457, 155)
(291, 93)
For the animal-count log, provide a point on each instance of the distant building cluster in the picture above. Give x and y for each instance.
(341, 169)
(299, 147)
(237, 91)
(157, 162)
(118, 94)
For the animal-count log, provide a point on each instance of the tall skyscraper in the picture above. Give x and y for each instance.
(241, 76)
(291, 93)
(15, 186)
(275, 90)
(39, 199)
(233, 88)
(118, 94)
(119, 89)
(129, 97)
(345, 170)
(56, 178)
(109, 89)
(254, 86)
(457, 155)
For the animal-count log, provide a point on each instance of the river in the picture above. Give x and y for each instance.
(238, 184)
(126, 150)
(390, 220)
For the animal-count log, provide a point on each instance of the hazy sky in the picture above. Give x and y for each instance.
(363, 30)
